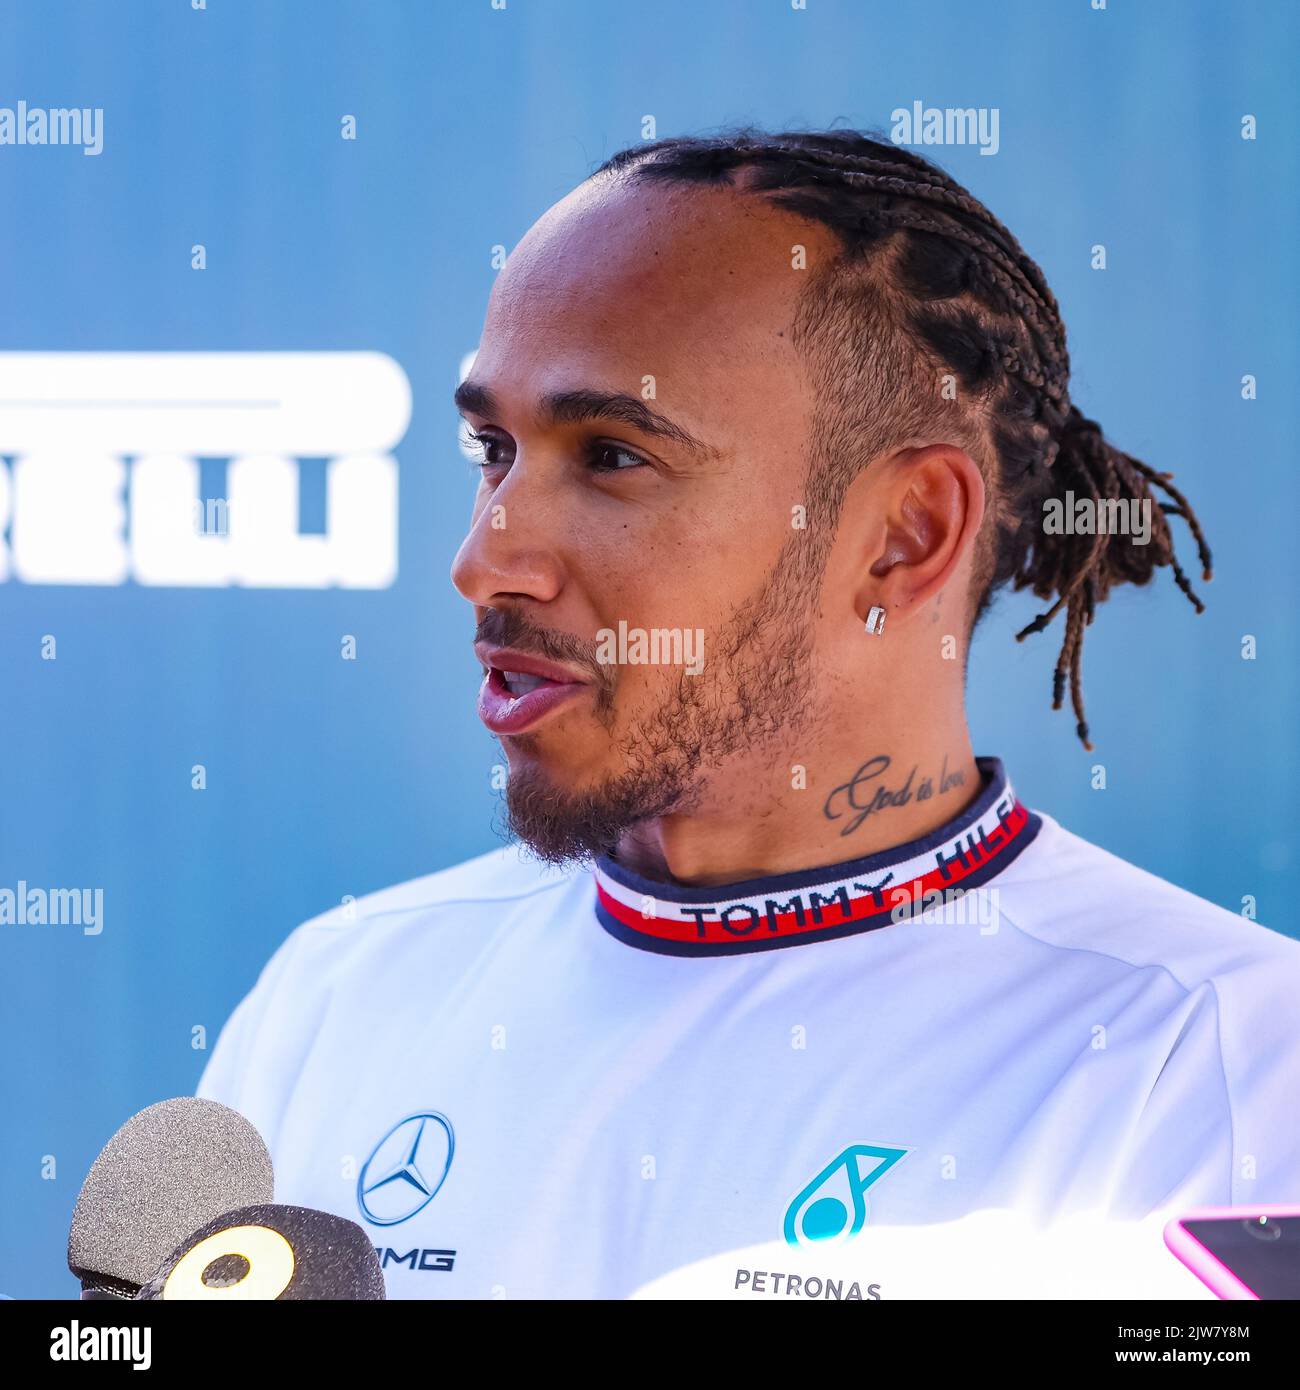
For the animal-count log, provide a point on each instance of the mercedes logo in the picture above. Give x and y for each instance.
(406, 1169)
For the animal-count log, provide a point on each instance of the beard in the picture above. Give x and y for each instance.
(755, 693)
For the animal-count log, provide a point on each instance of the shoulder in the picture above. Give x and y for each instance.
(445, 912)
(436, 913)
(499, 876)
(1212, 991)
(373, 943)
(1068, 893)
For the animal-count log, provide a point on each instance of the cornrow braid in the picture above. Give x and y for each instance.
(929, 280)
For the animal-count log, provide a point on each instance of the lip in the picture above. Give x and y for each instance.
(504, 713)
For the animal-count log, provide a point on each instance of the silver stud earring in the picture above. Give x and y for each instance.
(876, 621)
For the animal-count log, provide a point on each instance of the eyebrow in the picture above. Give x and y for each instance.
(580, 405)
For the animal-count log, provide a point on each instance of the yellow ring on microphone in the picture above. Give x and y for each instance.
(270, 1265)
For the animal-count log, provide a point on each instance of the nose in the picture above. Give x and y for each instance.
(510, 552)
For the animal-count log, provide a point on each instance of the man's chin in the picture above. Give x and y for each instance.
(563, 824)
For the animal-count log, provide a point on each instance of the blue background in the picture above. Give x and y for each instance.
(329, 777)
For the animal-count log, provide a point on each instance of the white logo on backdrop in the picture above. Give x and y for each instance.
(100, 475)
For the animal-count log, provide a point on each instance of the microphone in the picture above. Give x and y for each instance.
(273, 1253)
(168, 1170)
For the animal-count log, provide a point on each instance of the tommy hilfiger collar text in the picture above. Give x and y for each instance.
(825, 903)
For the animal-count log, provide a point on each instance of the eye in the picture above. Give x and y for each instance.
(488, 450)
(606, 457)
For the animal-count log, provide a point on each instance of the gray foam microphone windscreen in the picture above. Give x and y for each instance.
(167, 1171)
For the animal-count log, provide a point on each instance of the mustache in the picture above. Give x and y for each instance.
(507, 627)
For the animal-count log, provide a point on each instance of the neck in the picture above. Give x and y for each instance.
(848, 800)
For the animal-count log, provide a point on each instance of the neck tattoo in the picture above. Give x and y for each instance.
(869, 791)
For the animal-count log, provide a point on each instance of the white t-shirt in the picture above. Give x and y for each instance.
(527, 1082)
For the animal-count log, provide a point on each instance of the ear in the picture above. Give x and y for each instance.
(932, 501)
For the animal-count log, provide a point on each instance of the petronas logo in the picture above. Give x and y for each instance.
(832, 1209)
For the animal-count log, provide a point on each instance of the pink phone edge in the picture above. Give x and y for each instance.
(1210, 1270)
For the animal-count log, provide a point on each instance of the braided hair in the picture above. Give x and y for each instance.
(931, 287)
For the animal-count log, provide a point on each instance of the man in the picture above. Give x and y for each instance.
(763, 422)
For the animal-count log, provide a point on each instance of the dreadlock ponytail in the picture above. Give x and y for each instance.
(1080, 567)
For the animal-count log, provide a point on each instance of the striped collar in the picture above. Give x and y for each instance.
(821, 904)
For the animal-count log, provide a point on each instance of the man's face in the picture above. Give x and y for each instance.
(635, 554)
